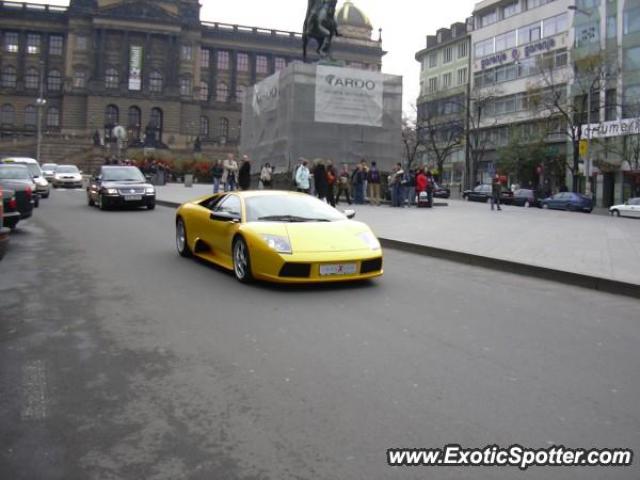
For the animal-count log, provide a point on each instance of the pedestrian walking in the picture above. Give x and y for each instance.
(496, 188)
(421, 187)
(302, 178)
(395, 183)
(244, 175)
(294, 181)
(320, 180)
(230, 173)
(266, 175)
(343, 184)
(365, 181)
(431, 185)
(357, 179)
(373, 181)
(216, 173)
(332, 177)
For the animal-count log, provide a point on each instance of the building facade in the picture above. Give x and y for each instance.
(520, 57)
(153, 67)
(444, 85)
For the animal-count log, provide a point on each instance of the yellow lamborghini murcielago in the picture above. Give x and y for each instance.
(282, 237)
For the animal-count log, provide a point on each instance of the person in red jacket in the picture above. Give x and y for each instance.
(421, 184)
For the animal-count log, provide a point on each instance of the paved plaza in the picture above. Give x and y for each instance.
(593, 245)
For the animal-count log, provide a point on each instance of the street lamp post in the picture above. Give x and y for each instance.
(40, 103)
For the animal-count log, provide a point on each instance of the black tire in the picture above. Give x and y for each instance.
(90, 201)
(241, 261)
(101, 203)
(615, 213)
(151, 206)
(526, 204)
(45, 196)
(182, 244)
(545, 206)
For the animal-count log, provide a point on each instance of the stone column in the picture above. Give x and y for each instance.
(233, 78)
(124, 68)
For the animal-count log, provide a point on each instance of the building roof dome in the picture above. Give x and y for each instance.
(352, 16)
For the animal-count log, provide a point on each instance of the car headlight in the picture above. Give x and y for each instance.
(150, 190)
(370, 240)
(278, 243)
(111, 191)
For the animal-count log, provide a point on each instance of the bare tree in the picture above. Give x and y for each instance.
(411, 141)
(479, 126)
(551, 98)
(441, 137)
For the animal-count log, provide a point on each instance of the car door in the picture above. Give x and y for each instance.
(633, 209)
(221, 232)
(557, 201)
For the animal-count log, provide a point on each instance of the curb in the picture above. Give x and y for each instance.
(575, 279)
(606, 285)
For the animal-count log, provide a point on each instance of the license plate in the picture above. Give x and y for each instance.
(133, 198)
(338, 269)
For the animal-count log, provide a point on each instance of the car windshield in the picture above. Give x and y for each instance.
(123, 174)
(522, 193)
(14, 172)
(634, 201)
(290, 208)
(67, 169)
(49, 166)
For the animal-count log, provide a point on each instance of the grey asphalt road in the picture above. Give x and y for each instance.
(121, 360)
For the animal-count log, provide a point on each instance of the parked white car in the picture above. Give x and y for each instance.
(67, 176)
(630, 209)
(49, 170)
(42, 185)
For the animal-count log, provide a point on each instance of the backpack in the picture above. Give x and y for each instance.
(374, 176)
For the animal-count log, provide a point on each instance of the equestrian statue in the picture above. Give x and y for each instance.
(320, 24)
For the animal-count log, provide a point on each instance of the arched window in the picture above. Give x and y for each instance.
(111, 78)
(79, 79)
(240, 89)
(204, 91)
(156, 124)
(223, 128)
(53, 117)
(134, 123)
(222, 92)
(204, 127)
(155, 82)
(32, 79)
(30, 116)
(54, 81)
(8, 79)
(111, 116)
(7, 114)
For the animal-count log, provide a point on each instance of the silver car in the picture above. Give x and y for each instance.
(42, 187)
(67, 176)
(631, 208)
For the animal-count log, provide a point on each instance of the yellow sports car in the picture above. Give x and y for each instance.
(276, 236)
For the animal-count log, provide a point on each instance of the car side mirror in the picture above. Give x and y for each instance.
(224, 217)
(350, 214)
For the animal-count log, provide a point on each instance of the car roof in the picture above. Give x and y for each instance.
(19, 160)
(118, 166)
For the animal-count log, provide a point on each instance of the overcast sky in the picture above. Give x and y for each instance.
(404, 23)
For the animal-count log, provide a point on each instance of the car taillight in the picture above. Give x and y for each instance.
(12, 205)
(29, 193)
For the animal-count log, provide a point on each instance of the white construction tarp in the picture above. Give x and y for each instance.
(349, 96)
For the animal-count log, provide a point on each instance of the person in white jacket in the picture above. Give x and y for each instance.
(302, 178)
(230, 174)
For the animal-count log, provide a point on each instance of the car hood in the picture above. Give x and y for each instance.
(125, 184)
(317, 237)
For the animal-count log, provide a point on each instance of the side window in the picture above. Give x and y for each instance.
(213, 202)
(231, 204)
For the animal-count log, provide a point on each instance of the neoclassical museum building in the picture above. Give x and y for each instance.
(153, 67)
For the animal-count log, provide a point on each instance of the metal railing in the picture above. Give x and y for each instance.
(33, 7)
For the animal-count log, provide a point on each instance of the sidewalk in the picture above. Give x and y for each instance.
(596, 246)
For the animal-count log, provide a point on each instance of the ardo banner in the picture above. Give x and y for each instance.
(135, 67)
(349, 96)
(266, 94)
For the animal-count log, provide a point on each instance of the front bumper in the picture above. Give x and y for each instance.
(272, 269)
(118, 201)
(67, 183)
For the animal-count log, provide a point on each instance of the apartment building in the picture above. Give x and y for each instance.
(444, 84)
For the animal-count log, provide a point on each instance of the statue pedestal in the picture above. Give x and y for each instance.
(323, 111)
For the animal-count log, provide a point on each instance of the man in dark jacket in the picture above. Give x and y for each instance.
(244, 175)
(320, 180)
(496, 188)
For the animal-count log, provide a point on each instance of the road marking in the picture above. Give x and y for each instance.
(34, 391)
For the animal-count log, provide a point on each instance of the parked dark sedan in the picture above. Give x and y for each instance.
(574, 202)
(120, 186)
(441, 192)
(18, 179)
(482, 193)
(525, 198)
